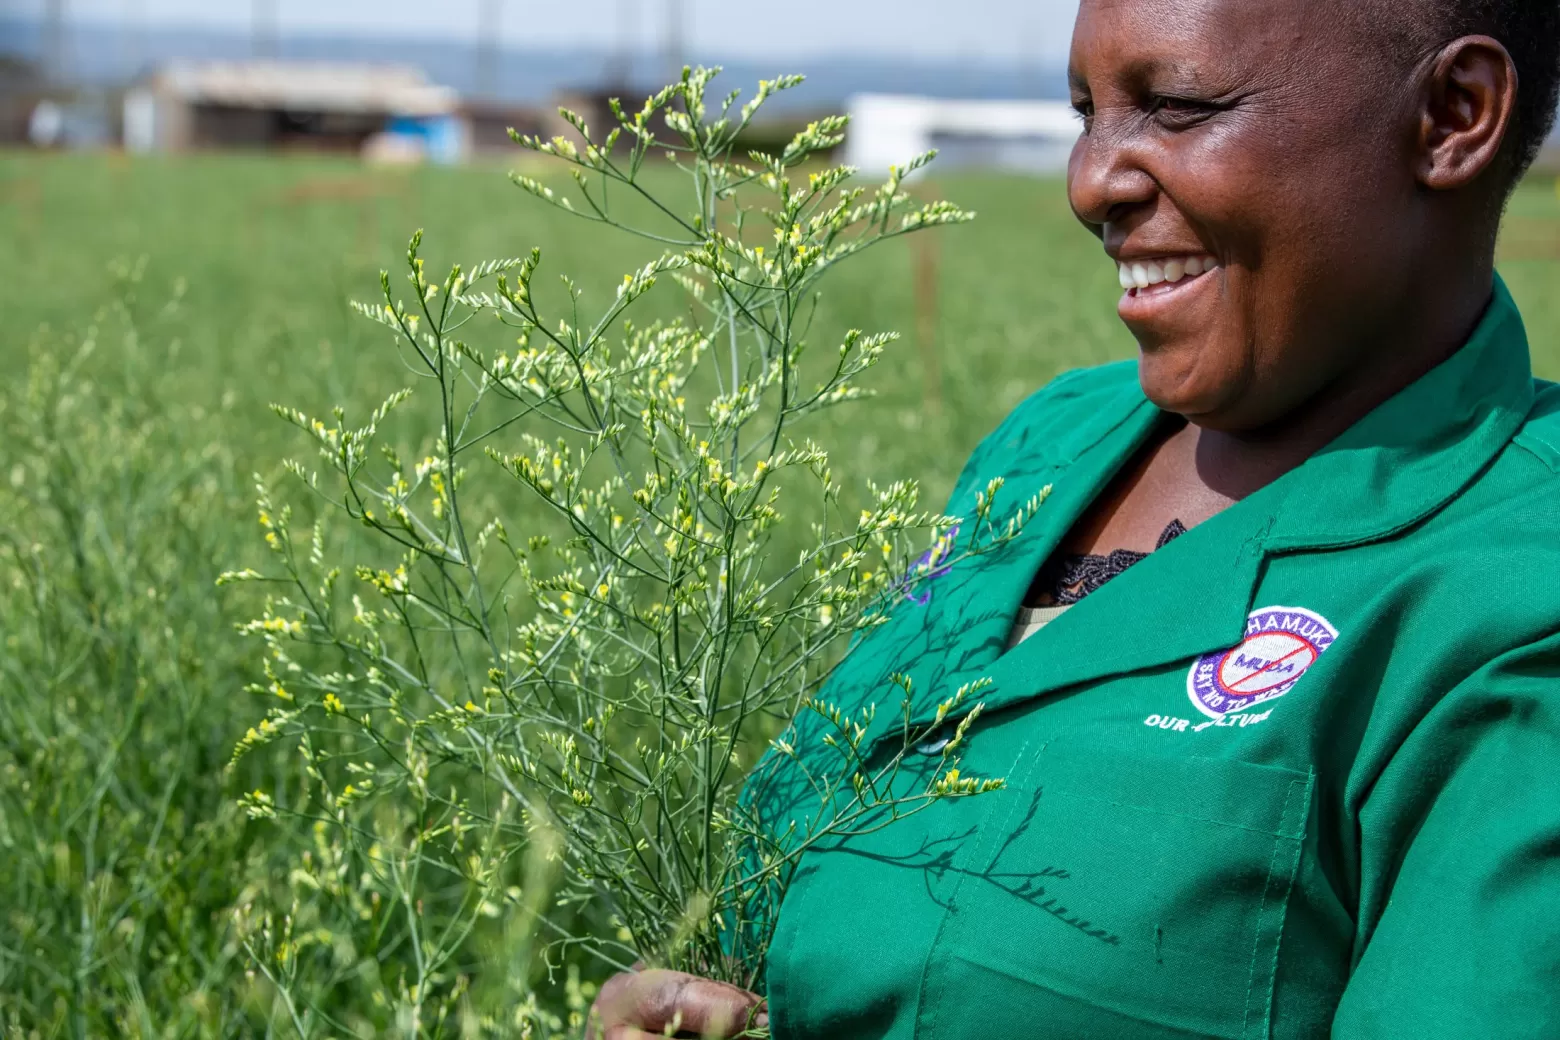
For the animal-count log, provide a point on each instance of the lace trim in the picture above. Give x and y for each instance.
(1065, 580)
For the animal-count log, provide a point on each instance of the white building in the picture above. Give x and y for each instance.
(1021, 136)
(280, 104)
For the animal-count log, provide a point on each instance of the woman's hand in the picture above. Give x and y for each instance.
(642, 1005)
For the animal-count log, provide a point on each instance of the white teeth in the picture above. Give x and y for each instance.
(1152, 272)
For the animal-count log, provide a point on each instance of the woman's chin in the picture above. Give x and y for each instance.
(1188, 390)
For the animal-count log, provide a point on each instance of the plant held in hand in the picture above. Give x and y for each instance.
(613, 571)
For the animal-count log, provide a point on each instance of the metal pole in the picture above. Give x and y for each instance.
(621, 72)
(1029, 84)
(674, 42)
(54, 56)
(490, 17)
(263, 31)
(131, 43)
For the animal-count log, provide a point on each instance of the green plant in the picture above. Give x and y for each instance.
(599, 685)
(121, 855)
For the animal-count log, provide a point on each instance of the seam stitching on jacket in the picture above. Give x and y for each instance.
(1294, 866)
(785, 999)
(1256, 943)
(1183, 816)
(953, 906)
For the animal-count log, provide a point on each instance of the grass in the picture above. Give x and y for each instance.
(124, 490)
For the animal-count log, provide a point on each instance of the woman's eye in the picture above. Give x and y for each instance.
(1085, 110)
(1180, 112)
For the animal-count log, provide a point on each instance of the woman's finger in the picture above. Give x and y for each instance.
(634, 1033)
(659, 1003)
(690, 1004)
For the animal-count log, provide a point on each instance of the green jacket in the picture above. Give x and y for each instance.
(1297, 774)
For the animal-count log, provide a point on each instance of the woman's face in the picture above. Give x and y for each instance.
(1253, 161)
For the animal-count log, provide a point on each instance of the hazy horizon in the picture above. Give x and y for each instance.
(1030, 31)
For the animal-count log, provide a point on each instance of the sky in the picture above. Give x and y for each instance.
(1034, 31)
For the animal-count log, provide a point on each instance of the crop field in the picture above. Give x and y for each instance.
(271, 250)
(151, 311)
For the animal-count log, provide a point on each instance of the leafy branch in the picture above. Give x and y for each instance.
(614, 571)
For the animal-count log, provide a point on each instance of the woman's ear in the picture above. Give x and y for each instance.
(1469, 102)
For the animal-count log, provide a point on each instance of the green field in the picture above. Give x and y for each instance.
(212, 286)
(272, 250)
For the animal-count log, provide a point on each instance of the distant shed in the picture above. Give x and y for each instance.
(1021, 136)
(22, 86)
(488, 124)
(278, 104)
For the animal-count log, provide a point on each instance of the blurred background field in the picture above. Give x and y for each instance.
(270, 251)
(273, 249)
(152, 309)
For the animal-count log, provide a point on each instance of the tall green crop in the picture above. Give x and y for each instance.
(121, 851)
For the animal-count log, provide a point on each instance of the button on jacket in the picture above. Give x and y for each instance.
(1297, 774)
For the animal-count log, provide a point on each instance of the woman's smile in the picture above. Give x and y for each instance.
(1155, 285)
(1167, 270)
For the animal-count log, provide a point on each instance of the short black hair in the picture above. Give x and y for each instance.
(1530, 32)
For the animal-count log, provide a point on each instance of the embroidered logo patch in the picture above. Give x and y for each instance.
(1280, 644)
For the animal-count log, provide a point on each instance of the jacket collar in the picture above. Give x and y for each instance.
(1419, 450)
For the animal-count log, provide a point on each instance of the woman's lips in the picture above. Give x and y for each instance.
(1141, 275)
(1155, 288)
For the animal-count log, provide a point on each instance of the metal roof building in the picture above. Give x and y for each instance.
(267, 104)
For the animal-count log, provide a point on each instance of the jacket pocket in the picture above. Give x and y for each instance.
(1125, 896)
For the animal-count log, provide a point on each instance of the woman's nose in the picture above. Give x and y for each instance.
(1105, 180)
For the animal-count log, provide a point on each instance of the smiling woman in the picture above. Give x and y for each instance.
(1274, 673)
